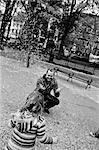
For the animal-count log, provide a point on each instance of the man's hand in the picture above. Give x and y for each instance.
(59, 89)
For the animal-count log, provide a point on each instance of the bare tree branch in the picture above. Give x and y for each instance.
(24, 5)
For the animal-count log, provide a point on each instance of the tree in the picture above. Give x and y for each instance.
(9, 6)
(10, 20)
(26, 37)
(73, 16)
(64, 15)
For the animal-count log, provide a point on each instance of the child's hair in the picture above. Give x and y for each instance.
(32, 106)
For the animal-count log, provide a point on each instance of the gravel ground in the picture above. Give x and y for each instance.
(71, 121)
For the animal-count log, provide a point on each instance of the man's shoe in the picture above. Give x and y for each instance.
(46, 111)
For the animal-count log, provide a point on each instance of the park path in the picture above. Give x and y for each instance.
(71, 121)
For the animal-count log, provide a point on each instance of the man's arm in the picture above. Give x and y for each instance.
(40, 86)
(56, 89)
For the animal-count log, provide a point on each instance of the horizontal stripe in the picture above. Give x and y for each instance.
(43, 139)
(24, 135)
(13, 146)
(32, 129)
(31, 132)
(42, 134)
(41, 129)
(16, 136)
(41, 126)
(16, 142)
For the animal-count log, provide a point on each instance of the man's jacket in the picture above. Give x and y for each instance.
(38, 94)
(49, 86)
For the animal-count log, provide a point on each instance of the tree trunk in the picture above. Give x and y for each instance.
(3, 29)
(28, 60)
(6, 18)
(10, 24)
(51, 57)
(69, 25)
(4, 22)
(8, 31)
(61, 52)
(61, 48)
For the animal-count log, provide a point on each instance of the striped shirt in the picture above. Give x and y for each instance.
(24, 133)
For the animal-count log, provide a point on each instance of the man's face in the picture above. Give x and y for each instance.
(49, 75)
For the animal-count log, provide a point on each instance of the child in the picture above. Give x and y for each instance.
(27, 126)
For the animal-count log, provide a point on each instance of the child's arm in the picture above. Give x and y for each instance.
(12, 121)
(42, 136)
(11, 124)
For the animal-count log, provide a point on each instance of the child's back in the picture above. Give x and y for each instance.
(26, 129)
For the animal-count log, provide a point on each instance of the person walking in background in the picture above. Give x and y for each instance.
(27, 126)
(44, 86)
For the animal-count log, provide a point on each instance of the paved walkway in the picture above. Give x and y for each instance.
(79, 74)
(71, 120)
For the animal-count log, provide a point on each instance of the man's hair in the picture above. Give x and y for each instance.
(54, 70)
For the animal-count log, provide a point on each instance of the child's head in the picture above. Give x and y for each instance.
(32, 106)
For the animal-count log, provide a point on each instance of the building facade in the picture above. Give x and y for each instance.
(16, 26)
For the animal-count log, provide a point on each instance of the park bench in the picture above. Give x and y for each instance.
(69, 74)
(87, 80)
(72, 75)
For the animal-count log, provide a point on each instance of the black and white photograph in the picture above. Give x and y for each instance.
(49, 74)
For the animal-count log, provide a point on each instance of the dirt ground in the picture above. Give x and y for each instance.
(71, 121)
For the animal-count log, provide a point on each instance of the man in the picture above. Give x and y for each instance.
(43, 90)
